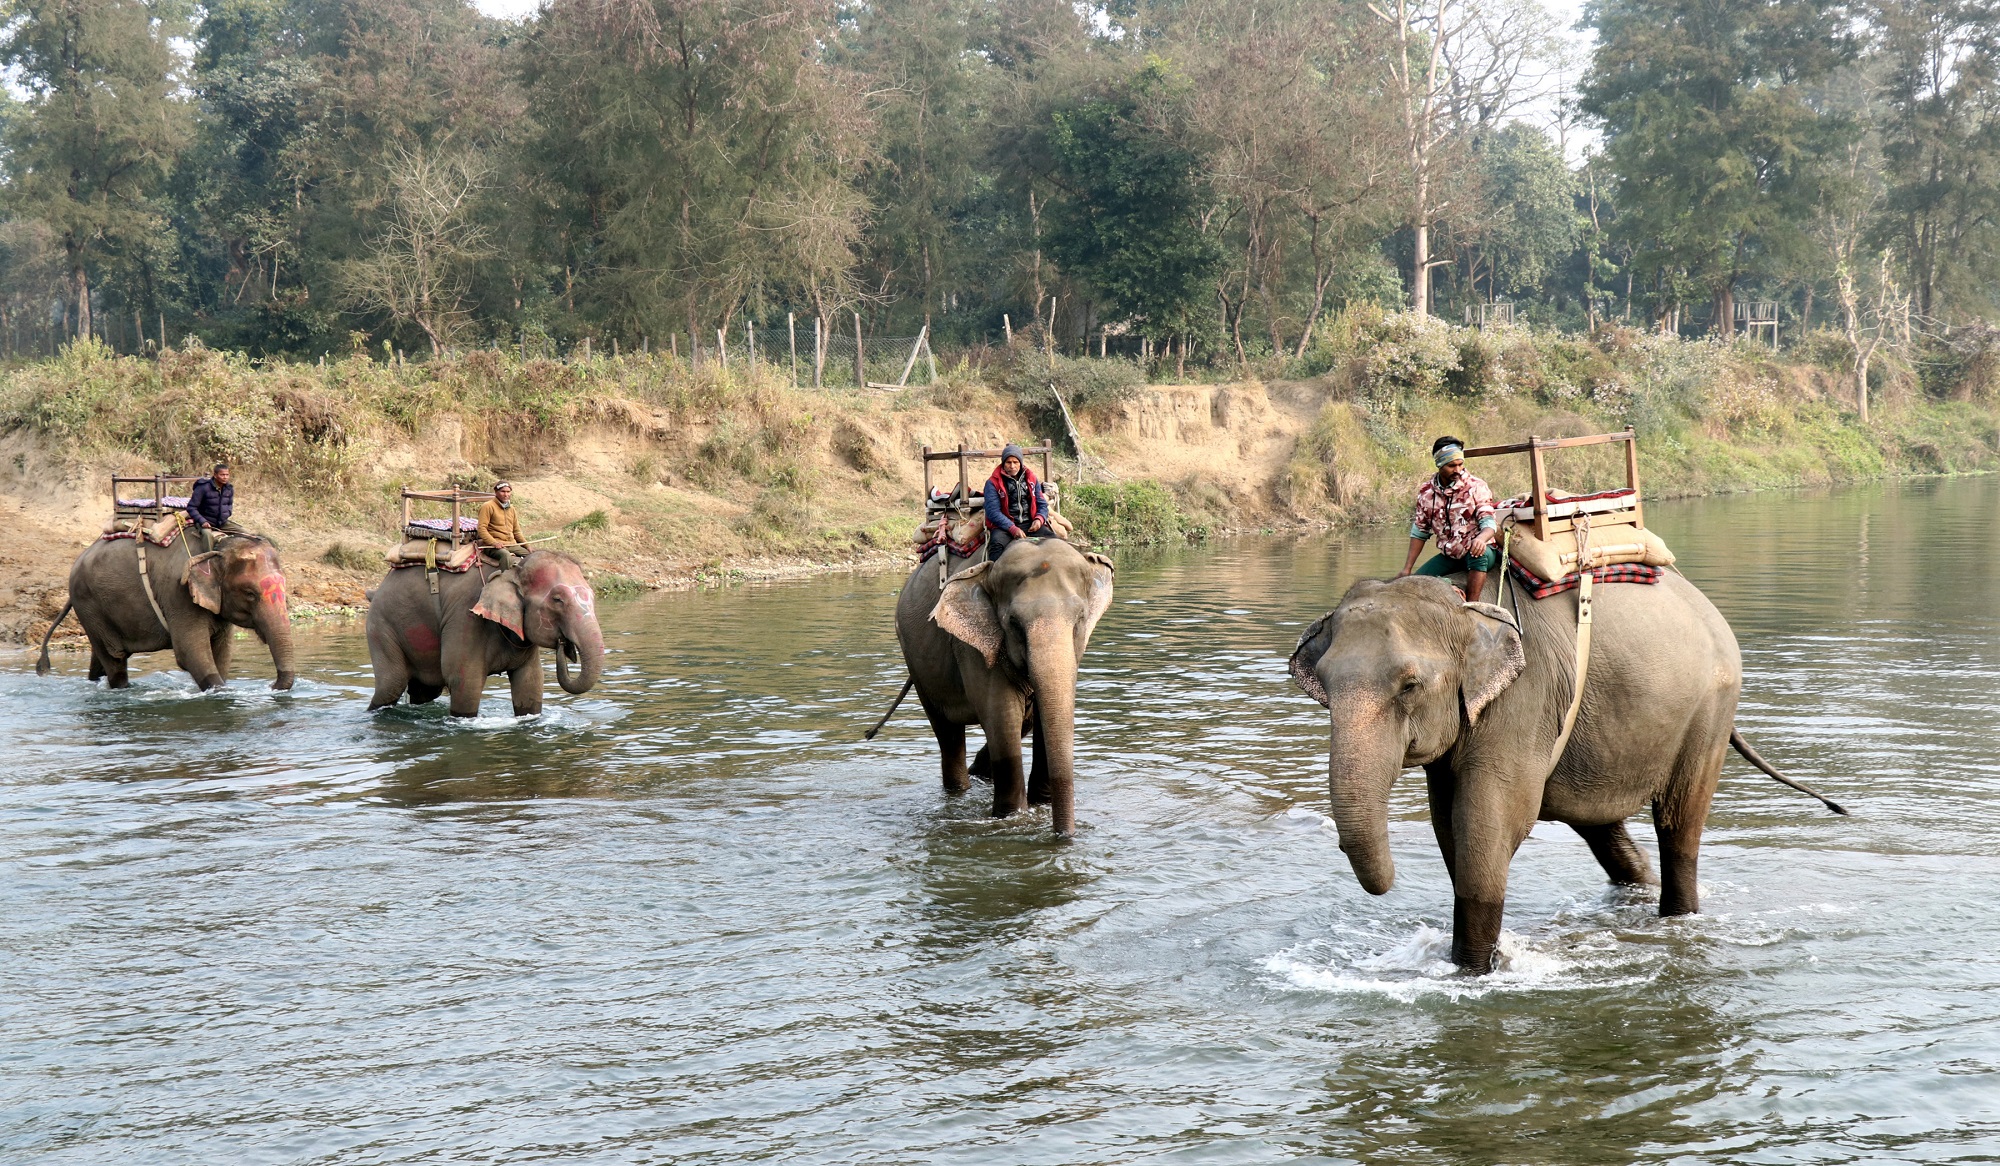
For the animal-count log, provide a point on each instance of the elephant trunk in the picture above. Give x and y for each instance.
(1363, 760)
(581, 636)
(274, 627)
(1052, 670)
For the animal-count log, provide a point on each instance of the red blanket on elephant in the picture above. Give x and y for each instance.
(1538, 588)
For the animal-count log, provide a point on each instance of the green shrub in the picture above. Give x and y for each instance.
(1125, 514)
(1087, 384)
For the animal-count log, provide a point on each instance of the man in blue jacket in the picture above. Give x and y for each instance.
(210, 506)
(1015, 506)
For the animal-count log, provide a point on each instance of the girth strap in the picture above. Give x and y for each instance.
(1583, 605)
(146, 583)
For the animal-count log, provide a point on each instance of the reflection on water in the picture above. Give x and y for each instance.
(691, 917)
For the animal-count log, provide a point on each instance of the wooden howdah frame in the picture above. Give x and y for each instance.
(156, 505)
(962, 454)
(457, 498)
(1538, 480)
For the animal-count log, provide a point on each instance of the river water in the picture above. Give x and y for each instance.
(691, 918)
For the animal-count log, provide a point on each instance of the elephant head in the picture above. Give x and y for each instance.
(1404, 669)
(1029, 615)
(242, 583)
(548, 602)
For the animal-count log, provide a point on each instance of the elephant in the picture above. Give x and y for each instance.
(997, 646)
(1412, 674)
(202, 597)
(479, 623)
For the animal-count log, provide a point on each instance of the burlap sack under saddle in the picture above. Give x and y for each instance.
(1609, 545)
(168, 528)
(417, 551)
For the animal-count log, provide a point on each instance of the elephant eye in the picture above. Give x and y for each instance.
(1410, 684)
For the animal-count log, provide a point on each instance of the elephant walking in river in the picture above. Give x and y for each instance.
(1413, 675)
(133, 598)
(480, 623)
(998, 646)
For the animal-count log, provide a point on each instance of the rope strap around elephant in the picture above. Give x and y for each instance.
(146, 584)
(1583, 605)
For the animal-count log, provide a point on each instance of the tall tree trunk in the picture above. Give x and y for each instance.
(1725, 310)
(81, 278)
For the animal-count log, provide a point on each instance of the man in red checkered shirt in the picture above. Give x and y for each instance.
(1458, 509)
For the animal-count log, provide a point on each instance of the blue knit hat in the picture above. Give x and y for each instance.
(1013, 450)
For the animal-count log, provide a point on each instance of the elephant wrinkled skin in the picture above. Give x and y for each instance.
(1412, 675)
(998, 646)
(482, 623)
(203, 598)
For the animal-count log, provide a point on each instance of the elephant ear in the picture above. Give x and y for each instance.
(1493, 658)
(1312, 645)
(500, 601)
(1098, 598)
(965, 611)
(203, 576)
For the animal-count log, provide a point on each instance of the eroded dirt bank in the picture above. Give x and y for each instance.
(676, 490)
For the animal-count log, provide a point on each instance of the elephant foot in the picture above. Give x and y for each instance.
(211, 682)
(283, 683)
(1475, 935)
(982, 765)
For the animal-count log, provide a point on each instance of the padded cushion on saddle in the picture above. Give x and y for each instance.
(413, 553)
(1553, 560)
(438, 527)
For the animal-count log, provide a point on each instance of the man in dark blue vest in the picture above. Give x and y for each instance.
(211, 505)
(1015, 505)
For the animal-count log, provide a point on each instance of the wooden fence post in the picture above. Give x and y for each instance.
(819, 349)
(860, 361)
(912, 362)
(792, 339)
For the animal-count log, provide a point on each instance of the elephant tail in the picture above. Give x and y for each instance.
(893, 706)
(1751, 755)
(42, 664)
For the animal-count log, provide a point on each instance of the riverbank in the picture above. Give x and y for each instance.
(654, 475)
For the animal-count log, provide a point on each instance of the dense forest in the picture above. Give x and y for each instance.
(1206, 179)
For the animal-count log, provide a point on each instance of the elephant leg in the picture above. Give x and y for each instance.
(1623, 862)
(191, 653)
(1003, 740)
(1489, 820)
(117, 673)
(421, 693)
(222, 647)
(951, 748)
(1442, 784)
(524, 684)
(96, 666)
(392, 672)
(1679, 813)
(982, 764)
(466, 692)
(1038, 775)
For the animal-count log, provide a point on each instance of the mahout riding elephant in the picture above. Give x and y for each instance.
(997, 646)
(1414, 675)
(201, 597)
(480, 623)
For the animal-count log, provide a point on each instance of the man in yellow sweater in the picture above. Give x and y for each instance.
(500, 527)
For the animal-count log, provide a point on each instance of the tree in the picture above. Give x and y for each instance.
(419, 266)
(1527, 223)
(1128, 223)
(98, 130)
(1710, 134)
(1939, 116)
(704, 155)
